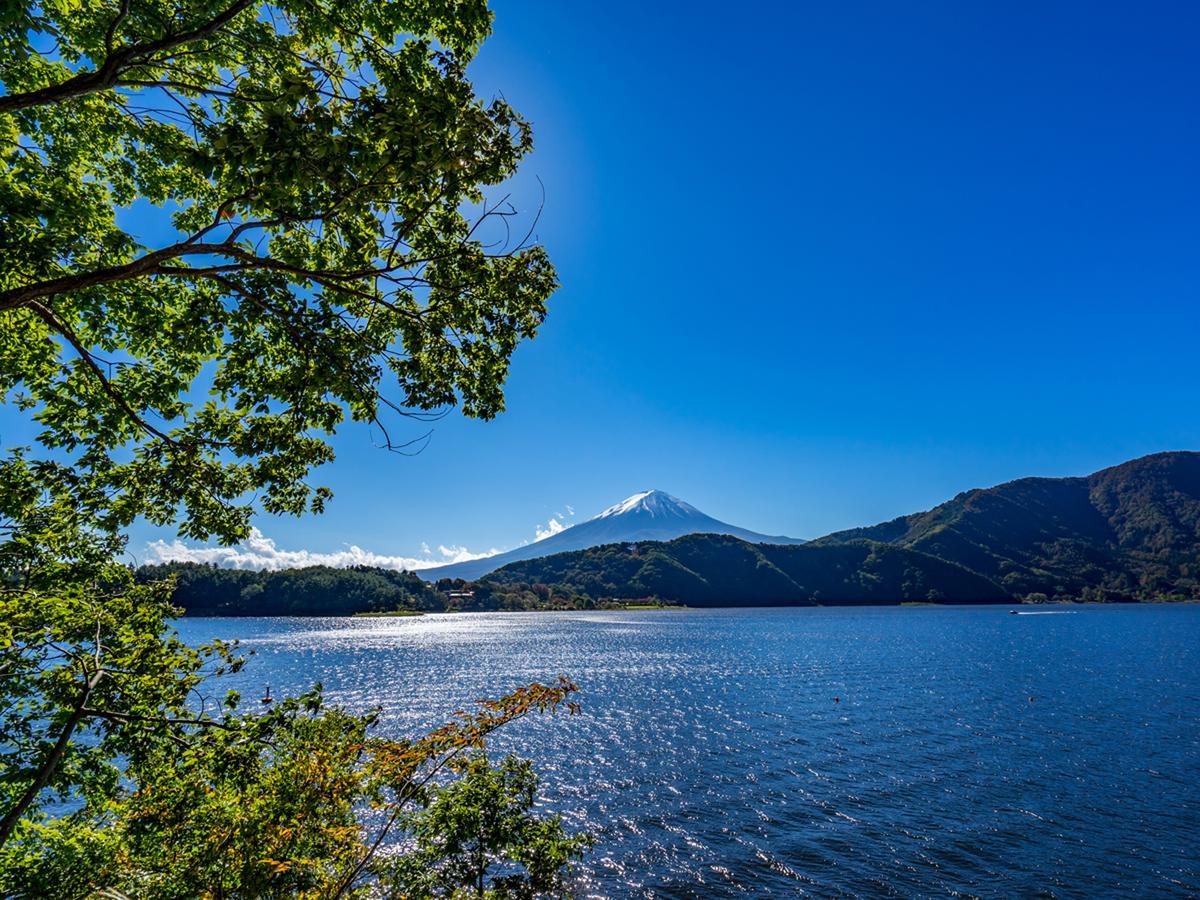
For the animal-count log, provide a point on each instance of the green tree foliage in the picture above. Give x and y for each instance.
(480, 832)
(312, 161)
(315, 246)
(115, 779)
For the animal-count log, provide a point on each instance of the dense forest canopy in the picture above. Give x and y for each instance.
(206, 590)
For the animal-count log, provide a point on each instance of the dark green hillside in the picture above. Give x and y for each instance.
(206, 590)
(717, 570)
(1129, 532)
(1152, 504)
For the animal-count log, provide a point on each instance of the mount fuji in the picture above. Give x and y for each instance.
(646, 516)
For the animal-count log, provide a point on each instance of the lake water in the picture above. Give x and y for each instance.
(833, 752)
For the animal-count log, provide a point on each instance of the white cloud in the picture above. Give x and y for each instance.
(553, 527)
(261, 552)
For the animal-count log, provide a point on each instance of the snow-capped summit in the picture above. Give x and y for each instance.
(645, 516)
(654, 503)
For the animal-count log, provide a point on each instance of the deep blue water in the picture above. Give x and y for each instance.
(968, 751)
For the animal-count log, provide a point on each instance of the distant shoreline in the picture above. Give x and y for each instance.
(405, 614)
(395, 613)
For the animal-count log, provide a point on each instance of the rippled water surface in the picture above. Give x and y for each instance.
(834, 752)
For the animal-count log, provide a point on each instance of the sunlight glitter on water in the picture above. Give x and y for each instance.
(713, 759)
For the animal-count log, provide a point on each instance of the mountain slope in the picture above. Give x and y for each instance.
(721, 570)
(1131, 532)
(646, 516)
(1128, 532)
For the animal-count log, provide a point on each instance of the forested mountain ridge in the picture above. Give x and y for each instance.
(1127, 532)
(1131, 532)
(720, 570)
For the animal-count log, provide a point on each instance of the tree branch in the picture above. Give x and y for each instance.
(113, 26)
(20, 296)
(50, 764)
(111, 715)
(107, 73)
(65, 330)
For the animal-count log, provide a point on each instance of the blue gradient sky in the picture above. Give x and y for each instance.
(823, 264)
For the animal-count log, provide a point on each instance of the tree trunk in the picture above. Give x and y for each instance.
(9, 824)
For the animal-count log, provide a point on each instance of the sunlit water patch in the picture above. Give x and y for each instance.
(832, 752)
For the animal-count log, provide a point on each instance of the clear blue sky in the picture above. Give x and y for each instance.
(823, 264)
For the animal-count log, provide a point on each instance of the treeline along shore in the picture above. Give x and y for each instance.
(203, 589)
